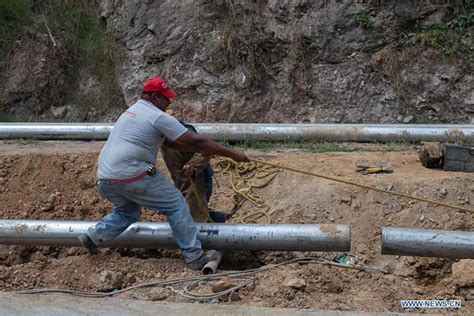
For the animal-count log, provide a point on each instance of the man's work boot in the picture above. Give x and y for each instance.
(88, 244)
(218, 217)
(202, 260)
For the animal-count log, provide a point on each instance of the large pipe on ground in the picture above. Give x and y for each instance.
(292, 237)
(427, 243)
(267, 132)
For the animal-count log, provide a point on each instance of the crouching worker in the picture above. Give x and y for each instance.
(129, 179)
(192, 175)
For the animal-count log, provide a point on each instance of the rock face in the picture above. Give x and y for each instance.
(290, 61)
(32, 77)
(261, 61)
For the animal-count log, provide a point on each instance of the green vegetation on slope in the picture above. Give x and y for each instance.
(453, 37)
(73, 30)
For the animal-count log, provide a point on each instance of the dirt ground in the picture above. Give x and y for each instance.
(55, 180)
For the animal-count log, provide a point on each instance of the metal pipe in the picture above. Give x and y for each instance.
(268, 132)
(427, 243)
(302, 237)
(211, 266)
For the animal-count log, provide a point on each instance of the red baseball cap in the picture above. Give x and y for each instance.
(156, 84)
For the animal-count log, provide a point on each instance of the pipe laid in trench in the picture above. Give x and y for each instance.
(292, 237)
(264, 132)
(427, 243)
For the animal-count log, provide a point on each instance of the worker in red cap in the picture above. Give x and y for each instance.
(129, 180)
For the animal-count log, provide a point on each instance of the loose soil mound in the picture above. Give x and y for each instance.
(56, 181)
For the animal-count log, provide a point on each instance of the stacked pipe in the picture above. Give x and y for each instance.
(427, 242)
(302, 237)
(286, 237)
(268, 132)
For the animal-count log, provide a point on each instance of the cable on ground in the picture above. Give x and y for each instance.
(193, 281)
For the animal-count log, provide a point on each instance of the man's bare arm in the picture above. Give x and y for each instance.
(192, 142)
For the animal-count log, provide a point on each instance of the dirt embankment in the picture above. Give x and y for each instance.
(52, 185)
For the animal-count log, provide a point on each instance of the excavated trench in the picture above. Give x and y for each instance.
(55, 181)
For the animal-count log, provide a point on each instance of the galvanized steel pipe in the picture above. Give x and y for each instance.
(269, 132)
(211, 266)
(427, 243)
(302, 237)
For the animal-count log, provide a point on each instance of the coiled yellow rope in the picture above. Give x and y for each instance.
(241, 176)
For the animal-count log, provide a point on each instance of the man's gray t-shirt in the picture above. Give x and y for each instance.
(135, 140)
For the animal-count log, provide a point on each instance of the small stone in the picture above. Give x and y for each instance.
(422, 218)
(158, 294)
(418, 291)
(52, 201)
(295, 283)
(59, 111)
(335, 285)
(443, 191)
(3, 173)
(390, 278)
(234, 296)
(111, 279)
(345, 200)
(410, 261)
(468, 294)
(222, 285)
(290, 295)
(87, 183)
(463, 273)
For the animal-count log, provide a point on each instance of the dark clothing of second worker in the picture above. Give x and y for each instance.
(197, 191)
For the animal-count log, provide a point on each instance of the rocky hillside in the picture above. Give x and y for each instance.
(245, 61)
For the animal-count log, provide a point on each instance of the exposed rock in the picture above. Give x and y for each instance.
(408, 119)
(418, 291)
(157, 294)
(222, 285)
(4, 273)
(111, 280)
(323, 57)
(87, 183)
(295, 283)
(31, 73)
(47, 202)
(247, 61)
(234, 296)
(333, 284)
(463, 273)
(468, 293)
(59, 112)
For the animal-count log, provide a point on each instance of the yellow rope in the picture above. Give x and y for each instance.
(242, 186)
(196, 194)
(460, 208)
